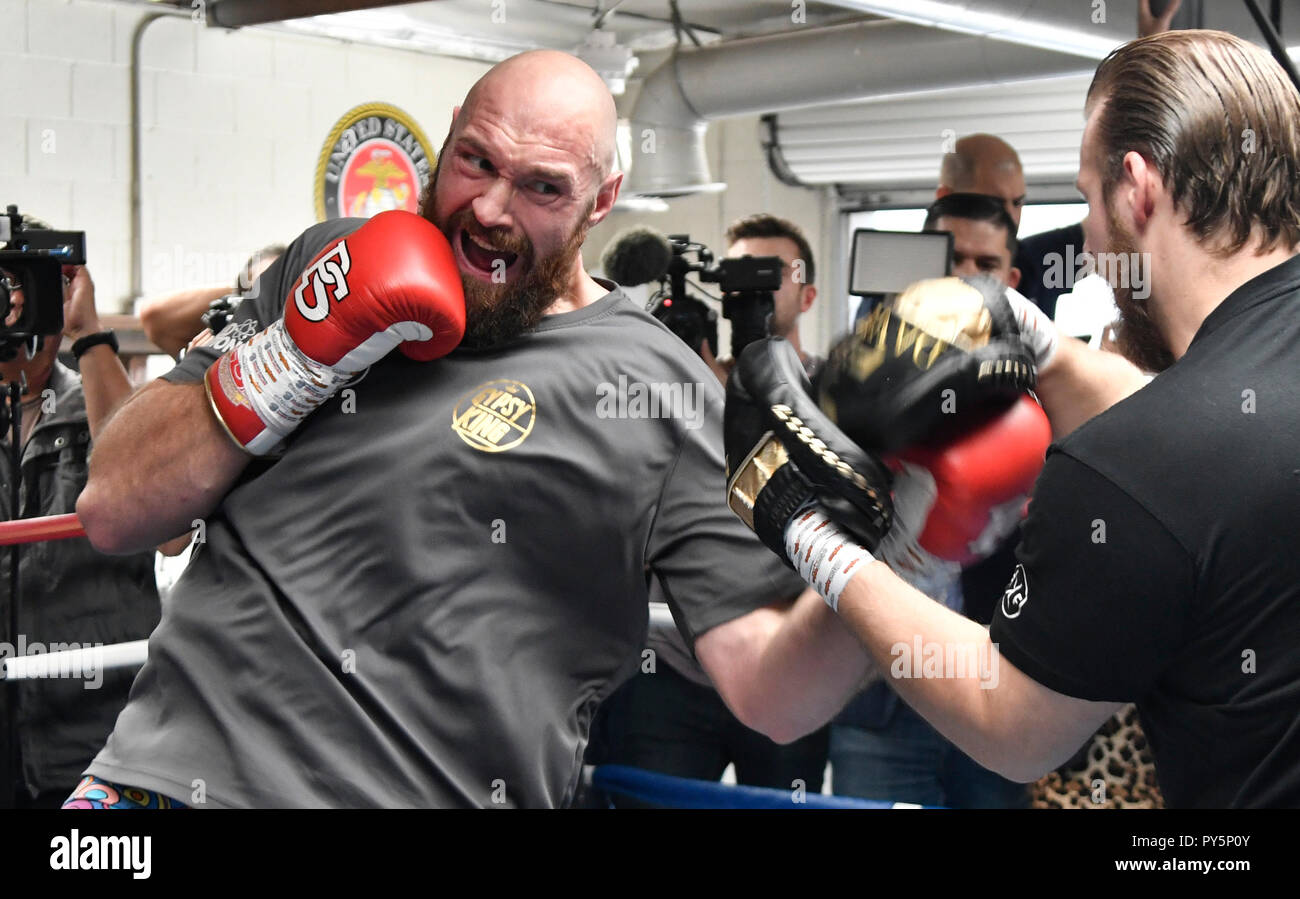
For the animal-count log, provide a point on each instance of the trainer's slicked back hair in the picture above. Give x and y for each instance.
(975, 207)
(1220, 121)
(764, 225)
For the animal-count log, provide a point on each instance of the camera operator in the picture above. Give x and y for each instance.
(767, 235)
(71, 594)
(672, 720)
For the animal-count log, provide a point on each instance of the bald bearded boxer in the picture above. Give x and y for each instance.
(416, 587)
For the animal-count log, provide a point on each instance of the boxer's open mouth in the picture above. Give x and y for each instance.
(484, 260)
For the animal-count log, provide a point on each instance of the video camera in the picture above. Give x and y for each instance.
(33, 259)
(747, 284)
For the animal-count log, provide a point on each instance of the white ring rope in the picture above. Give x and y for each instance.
(75, 662)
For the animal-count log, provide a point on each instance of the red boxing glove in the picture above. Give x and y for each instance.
(955, 502)
(392, 282)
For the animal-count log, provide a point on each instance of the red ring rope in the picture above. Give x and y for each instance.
(32, 530)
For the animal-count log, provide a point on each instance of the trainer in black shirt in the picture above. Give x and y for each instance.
(1160, 562)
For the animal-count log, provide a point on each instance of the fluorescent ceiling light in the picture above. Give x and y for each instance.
(992, 25)
(391, 28)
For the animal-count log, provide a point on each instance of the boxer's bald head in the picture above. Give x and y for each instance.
(556, 89)
(526, 171)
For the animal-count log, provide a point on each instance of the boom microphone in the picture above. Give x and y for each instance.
(636, 255)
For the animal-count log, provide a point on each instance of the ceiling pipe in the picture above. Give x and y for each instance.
(768, 74)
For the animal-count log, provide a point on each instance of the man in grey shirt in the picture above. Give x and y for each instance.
(422, 600)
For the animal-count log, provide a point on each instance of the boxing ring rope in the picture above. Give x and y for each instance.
(57, 664)
(614, 780)
(87, 659)
(33, 530)
(681, 792)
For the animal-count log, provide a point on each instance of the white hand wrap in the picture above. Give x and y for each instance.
(824, 556)
(284, 385)
(1036, 329)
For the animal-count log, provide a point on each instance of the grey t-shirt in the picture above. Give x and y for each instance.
(422, 602)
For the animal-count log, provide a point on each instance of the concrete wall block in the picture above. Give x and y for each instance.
(65, 148)
(35, 85)
(45, 198)
(13, 148)
(102, 210)
(241, 166)
(101, 93)
(111, 261)
(185, 250)
(321, 65)
(292, 171)
(195, 103)
(244, 53)
(70, 29)
(13, 24)
(168, 158)
(265, 108)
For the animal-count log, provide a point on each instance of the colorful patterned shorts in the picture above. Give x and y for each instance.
(95, 793)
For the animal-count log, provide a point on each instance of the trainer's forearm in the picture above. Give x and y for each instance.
(162, 461)
(1080, 382)
(992, 711)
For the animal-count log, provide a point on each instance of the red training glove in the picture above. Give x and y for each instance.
(392, 282)
(955, 501)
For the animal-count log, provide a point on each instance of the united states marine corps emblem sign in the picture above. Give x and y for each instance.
(495, 416)
(375, 159)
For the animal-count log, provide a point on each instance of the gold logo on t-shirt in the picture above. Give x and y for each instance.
(495, 416)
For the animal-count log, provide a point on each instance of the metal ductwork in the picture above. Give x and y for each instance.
(819, 66)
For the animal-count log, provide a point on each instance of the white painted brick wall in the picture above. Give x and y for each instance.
(101, 93)
(35, 85)
(57, 147)
(13, 148)
(13, 25)
(69, 29)
(233, 124)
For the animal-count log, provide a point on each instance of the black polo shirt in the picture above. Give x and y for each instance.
(1160, 562)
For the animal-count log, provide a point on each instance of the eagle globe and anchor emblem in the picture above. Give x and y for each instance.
(375, 159)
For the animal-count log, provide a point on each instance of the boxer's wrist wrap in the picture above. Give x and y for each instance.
(825, 556)
(262, 389)
(1037, 330)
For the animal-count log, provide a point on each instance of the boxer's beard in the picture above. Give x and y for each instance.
(495, 314)
(1138, 336)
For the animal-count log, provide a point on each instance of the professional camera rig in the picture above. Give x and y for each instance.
(32, 287)
(747, 284)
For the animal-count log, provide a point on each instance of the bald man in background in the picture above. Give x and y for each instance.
(984, 164)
